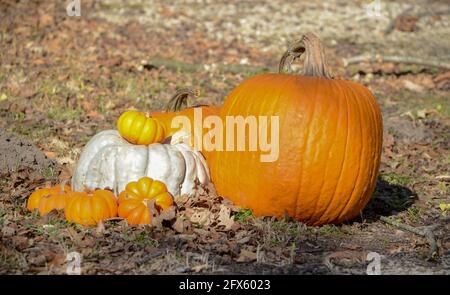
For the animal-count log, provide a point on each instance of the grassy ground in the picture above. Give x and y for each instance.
(63, 79)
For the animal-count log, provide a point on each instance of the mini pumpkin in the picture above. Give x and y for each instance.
(48, 199)
(133, 201)
(140, 128)
(135, 212)
(89, 208)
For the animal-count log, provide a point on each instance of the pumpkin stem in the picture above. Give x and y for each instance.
(178, 102)
(63, 185)
(315, 64)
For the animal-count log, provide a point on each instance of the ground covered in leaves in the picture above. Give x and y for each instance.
(62, 79)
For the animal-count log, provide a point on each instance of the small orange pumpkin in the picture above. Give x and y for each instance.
(48, 199)
(89, 208)
(140, 128)
(135, 211)
(133, 200)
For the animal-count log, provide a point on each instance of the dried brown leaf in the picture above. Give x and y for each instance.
(246, 256)
(225, 219)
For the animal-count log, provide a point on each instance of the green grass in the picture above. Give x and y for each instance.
(396, 179)
(443, 187)
(49, 172)
(33, 132)
(2, 216)
(243, 215)
(141, 238)
(62, 114)
(413, 102)
(280, 232)
(331, 230)
(414, 214)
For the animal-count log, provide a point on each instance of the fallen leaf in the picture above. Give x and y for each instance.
(20, 242)
(95, 115)
(39, 61)
(200, 267)
(225, 217)
(66, 172)
(246, 256)
(444, 207)
(46, 20)
(50, 155)
(87, 105)
(76, 238)
(346, 258)
(423, 113)
(406, 23)
(412, 86)
(8, 231)
(201, 217)
(442, 81)
(159, 218)
(181, 225)
(58, 260)
(241, 234)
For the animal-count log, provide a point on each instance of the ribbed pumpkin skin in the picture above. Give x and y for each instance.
(133, 200)
(146, 188)
(140, 129)
(48, 199)
(87, 208)
(135, 212)
(52, 202)
(330, 147)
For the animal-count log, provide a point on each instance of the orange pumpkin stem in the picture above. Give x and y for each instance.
(315, 63)
(178, 102)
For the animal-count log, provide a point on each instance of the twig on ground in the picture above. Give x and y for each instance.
(426, 231)
(396, 59)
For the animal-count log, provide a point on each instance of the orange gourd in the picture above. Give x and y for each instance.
(140, 128)
(48, 199)
(133, 200)
(177, 106)
(90, 207)
(330, 136)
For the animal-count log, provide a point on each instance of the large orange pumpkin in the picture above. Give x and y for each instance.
(329, 143)
(177, 106)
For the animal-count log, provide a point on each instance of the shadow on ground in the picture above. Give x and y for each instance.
(388, 199)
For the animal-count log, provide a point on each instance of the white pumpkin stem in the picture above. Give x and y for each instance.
(315, 63)
(63, 184)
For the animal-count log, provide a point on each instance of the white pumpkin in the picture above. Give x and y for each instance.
(109, 161)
